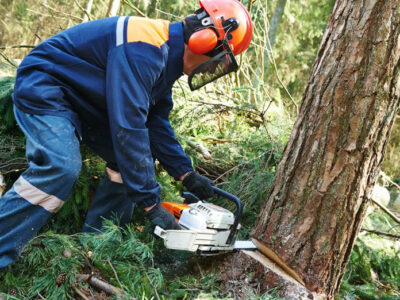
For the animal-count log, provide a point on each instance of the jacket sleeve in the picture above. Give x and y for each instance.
(132, 70)
(164, 144)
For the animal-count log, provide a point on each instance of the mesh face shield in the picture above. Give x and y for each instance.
(221, 64)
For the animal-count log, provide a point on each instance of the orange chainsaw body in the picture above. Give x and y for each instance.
(175, 208)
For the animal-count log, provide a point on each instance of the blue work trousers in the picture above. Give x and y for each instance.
(110, 202)
(54, 164)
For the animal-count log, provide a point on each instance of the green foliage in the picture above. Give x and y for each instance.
(374, 270)
(121, 256)
(39, 266)
(391, 162)
(184, 285)
(12, 141)
(298, 40)
(121, 251)
(43, 261)
(7, 119)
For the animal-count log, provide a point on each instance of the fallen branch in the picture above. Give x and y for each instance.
(16, 46)
(80, 294)
(41, 297)
(388, 212)
(227, 107)
(218, 141)
(387, 178)
(61, 12)
(199, 148)
(241, 164)
(397, 293)
(108, 288)
(19, 162)
(8, 60)
(115, 273)
(154, 288)
(394, 236)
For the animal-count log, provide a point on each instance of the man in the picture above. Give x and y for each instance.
(107, 83)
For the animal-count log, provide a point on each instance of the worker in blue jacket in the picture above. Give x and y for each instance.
(107, 84)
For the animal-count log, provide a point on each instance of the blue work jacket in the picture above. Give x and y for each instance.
(112, 78)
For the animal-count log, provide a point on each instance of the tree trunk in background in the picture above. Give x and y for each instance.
(276, 19)
(323, 183)
(113, 7)
(88, 9)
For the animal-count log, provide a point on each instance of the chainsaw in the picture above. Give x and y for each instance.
(207, 229)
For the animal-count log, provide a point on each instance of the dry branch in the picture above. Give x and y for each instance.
(115, 273)
(16, 46)
(61, 12)
(199, 148)
(218, 141)
(80, 294)
(108, 288)
(86, 10)
(8, 60)
(388, 212)
(394, 236)
(140, 13)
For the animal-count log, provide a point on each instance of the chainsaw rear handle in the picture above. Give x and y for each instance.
(238, 213)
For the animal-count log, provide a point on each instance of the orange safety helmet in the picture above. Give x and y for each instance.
(227, 20)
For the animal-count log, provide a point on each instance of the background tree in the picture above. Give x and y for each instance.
(274, 25)
(323, 183)
(113, 7)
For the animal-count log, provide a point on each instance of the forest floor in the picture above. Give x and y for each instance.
(138, 266)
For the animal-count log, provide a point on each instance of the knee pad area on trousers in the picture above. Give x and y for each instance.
(71, 169)
(55, 177)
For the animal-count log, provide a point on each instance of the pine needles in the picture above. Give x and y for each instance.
(7, 119)
(118, 256)
(41, 263)
(374, 270)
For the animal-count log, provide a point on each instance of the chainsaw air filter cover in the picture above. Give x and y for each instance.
(203, 216)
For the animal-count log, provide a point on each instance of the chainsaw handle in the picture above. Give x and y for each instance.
(238, 213)
(190, 198)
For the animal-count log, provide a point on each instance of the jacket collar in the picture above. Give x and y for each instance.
(175, 55)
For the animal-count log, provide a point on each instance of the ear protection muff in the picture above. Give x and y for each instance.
(203, 41)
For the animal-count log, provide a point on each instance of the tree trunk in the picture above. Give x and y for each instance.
(113, 7)
(321, 191)
(87, 11)
(276, 19)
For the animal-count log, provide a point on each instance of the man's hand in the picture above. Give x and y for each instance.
(159, 216)
(199, 185)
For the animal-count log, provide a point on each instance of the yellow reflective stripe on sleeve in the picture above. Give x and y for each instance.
(37, 197)
(154, 32)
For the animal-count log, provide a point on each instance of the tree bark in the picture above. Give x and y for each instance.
(323, 183)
